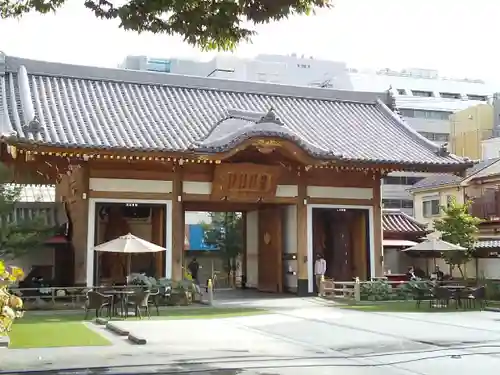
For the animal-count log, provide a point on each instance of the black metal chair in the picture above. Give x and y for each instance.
(98, 301)
(442, 296)
(477, 295)
(421, 293)
(139, 300)
(155, 297)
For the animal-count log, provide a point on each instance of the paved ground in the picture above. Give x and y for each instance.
(304, 332)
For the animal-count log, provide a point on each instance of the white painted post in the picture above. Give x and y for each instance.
(322, 286)
(357, 290)
(210, 292)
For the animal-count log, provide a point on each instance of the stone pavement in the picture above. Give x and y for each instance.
(413, 343)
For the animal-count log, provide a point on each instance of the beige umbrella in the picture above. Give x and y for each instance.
(435, 245)
(129, 244)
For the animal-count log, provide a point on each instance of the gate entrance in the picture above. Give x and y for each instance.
(261, 264)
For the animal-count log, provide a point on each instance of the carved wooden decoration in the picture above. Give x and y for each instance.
(245, 181)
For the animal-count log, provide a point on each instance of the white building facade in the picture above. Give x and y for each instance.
(423, 98)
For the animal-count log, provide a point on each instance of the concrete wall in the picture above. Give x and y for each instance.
(441, 194)
(468, 128)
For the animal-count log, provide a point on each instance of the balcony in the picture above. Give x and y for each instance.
(487, 206)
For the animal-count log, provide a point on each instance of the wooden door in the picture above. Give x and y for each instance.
(270, 264)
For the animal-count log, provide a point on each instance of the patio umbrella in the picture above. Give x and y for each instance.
(129, 244)
(433, 247)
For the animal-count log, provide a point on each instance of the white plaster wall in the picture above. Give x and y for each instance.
(252, 249)
(195, 217)
(129, 185)
(290, 245)
(339, 192)
(39, 257)
(489, 268)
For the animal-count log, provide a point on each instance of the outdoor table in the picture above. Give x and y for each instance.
(456, 289)
(123, 294)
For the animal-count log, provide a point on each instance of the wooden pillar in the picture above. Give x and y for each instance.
(158, 237)
(177, 226)
(302, 229)
(244, 247)
(377, 226)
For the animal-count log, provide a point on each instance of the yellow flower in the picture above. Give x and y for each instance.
(2, 267)
(18, 273)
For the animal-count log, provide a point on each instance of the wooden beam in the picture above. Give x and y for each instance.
(177, 226)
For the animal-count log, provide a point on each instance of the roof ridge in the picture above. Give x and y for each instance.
(397, 211)
(412, 132)
(56, 69)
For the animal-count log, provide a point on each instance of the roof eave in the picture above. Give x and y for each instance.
(430, 188)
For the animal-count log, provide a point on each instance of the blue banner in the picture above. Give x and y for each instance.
(196, 238)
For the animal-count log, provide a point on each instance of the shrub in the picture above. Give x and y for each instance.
(10, 305)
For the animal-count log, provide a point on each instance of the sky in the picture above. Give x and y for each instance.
(453, 36)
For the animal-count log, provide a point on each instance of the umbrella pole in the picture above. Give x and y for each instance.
(129, 265)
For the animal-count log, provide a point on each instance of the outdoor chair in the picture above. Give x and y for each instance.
(155, 299)
(442, 296)
(461, 296)
(422, 293)
(477, 295)
(98, 301)
(138, 300)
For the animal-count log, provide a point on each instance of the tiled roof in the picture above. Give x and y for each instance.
(88, 107)
(488, 243)
(438, 180)
(396, 221)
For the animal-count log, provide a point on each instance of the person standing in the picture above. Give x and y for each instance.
(319, 270)
(193, 268)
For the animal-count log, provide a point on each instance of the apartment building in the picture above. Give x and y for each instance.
(424, 99)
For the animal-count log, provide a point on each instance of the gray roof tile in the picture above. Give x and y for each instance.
(396, 221)
(438, 180)
(75, 106)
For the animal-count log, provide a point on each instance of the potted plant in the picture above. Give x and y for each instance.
(10, 304)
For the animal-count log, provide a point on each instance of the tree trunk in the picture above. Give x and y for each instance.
(461, 271)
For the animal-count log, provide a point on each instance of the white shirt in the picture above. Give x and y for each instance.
(320, 267)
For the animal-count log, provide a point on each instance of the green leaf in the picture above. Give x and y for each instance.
(458, 227)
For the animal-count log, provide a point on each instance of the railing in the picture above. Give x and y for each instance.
(345, 290)
(487, 206)
(59, 297)
(381, 289)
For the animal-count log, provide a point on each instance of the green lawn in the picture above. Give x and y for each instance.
(407, 306)
(46, 331)
(59, 329)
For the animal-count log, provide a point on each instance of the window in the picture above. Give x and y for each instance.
(401, 91)
(406, 203)
(424, 94)
(419, 113)
(303, 66)
(450, 95)
(392, 180)
(436, 137)
(397, 203)
(482, 98)
(401, 180)
(430, 207)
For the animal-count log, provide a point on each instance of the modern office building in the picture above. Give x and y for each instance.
(424, 99)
